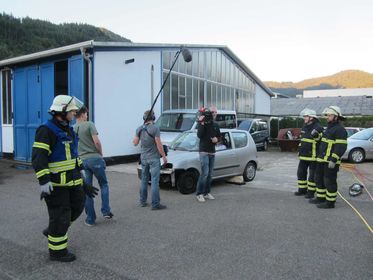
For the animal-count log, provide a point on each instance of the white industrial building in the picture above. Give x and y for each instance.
(118, 82)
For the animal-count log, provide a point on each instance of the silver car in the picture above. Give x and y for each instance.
(235, 155)
(360, 146)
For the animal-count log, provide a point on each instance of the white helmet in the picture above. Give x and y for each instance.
(333, 110)
(308, 112)
(356, 189)
(65, 103)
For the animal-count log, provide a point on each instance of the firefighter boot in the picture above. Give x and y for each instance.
(316, 200)
(68, 257)
(309, 195)
(45, 232)
(326, 205)
(300, 192)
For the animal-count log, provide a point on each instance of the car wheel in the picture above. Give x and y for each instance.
(249, 172)
(356, 155)
(187, 182)
(265, 146)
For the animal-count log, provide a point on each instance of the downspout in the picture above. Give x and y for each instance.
(87, 57)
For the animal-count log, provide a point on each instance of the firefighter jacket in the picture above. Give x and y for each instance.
(310, 137)
(333, 143)
(55, 155)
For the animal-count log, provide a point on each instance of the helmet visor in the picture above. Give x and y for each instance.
(74, 104)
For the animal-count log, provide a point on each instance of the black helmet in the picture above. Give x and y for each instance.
(355, 189)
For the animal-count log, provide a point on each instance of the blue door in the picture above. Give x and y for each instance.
(76, 77)
(47, 89)
(20, 114)
(34, 107)
(33, 95)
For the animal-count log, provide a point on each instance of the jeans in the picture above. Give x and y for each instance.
(204, 180)
(150, 167)
(96, 166)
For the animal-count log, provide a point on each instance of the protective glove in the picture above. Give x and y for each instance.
(89, 190)
(314, 133)
(45, 190)
(331, 164)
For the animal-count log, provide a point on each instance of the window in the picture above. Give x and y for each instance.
(239, 139)
(61, 77)
(7, 97)
(226, 120)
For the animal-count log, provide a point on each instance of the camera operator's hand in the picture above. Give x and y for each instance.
(214, 140)
(201, 120)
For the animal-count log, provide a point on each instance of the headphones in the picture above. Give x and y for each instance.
(149, 116)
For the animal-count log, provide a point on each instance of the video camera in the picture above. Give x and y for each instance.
(208, 118)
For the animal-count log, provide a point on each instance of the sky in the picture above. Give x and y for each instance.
(279, 40)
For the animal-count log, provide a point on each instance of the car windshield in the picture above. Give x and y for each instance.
(363, 135)
(178, 122)
(187, 141)
(245, 125)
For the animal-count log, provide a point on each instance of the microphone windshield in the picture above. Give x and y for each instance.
(186, 55)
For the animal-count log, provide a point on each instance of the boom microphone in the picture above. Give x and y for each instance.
(187, 58)
(186, 55)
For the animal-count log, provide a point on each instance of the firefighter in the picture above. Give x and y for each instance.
(58, 169)
(333, 144)
(310, 137)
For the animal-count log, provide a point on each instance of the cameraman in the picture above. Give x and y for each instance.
(209, 135)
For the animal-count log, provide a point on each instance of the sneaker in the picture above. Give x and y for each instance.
(200, 198)
(143, 204)
(209, 196)
(109, 216)
(88, 224)
(69, 257)
(159, 207)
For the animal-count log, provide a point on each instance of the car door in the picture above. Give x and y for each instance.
(241, 149)
(254, 131)
(225, 157)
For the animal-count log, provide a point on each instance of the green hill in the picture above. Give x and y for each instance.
(19, 36)
(343, 79)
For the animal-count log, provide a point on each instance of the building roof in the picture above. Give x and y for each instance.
(338, 92)
(93, 44)
(350, 105)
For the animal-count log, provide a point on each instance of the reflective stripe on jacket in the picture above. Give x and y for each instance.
(55, 155)
(333, 144)
(309, 143)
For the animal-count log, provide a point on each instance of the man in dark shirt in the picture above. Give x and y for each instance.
(209, 134)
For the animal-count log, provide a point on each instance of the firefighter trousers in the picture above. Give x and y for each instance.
(326, 182)
(65, 204)
(306, 167)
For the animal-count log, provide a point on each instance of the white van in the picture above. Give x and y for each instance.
(173, 122)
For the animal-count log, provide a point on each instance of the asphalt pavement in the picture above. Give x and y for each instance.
(259, 230)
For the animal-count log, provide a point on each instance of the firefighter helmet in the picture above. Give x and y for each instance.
(308, 112)
(65, 103)
(333, 110)
(355, 189)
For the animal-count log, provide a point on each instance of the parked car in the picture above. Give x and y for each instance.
(352, 130)
(173, 122)
(360, 146)
(235, 155)
(258, 130)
